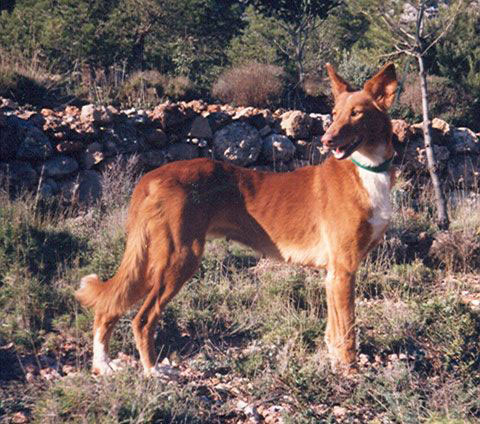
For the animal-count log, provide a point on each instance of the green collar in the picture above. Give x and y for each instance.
(383, 167)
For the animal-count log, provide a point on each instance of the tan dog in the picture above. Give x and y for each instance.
(327, 216)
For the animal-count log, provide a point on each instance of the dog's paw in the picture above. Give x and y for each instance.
(163, 372)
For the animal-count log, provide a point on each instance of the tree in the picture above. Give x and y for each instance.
(412, 28)
(299, 20)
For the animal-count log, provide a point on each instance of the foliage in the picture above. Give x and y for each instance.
(243, 330)
(252, 84)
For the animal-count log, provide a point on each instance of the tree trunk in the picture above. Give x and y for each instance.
(442, 215)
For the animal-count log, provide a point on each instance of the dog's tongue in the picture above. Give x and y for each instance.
(339, 152)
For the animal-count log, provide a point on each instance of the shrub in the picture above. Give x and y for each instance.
(148, 88)
(252, 84)
(143, 88)
(446, 101)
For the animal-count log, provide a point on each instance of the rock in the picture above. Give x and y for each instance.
(35, 145)
(9, 137)
(218, 120)
(89, 187)
(401, 130)
(277, 148)
(60, 166)
(200, 128)
(317, 127)
(34, 118)
(310, 151)
(19, 173)
(251, 116)
(169, 116)
(71, 111)
(90, 114)
(156, 137)
(90, 159)
(415, 157)
(122, 138)
(238, 143)
(153, 158)
(266, 130)
(463, 171)
(49, 188)
(440, 125)
(182, 151)
(69, 146)
(464, 140)
(296, 124)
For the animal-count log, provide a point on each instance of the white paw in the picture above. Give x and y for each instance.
(163, 372)
(102, 368)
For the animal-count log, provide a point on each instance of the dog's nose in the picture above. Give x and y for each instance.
(327, 139)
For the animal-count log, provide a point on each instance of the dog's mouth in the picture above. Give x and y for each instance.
(343, 152)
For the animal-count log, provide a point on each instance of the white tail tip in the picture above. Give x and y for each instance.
(85, 280)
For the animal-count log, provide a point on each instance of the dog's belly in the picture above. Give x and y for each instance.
(315, 255)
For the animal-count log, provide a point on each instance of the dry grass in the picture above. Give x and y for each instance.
(244, 335)
(253, 84)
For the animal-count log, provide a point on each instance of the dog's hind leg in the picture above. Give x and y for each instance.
(169, 278)
(102, 330)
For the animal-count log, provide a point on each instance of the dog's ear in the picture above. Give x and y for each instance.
(339, 85)
(383, 86)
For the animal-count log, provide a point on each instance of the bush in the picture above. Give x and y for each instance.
(446, 101)
(148, 88)
(253, 84)
(21, 88)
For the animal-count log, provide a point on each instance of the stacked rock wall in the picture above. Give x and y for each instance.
(64, 152)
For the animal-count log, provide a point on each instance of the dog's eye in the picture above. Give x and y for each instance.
(355, 112)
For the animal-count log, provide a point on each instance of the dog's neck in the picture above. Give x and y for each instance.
(379, 156)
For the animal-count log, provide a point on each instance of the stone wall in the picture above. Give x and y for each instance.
(64, 152)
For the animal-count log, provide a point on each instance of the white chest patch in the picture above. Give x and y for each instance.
(378, 189)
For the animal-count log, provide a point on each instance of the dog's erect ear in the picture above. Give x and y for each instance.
(383, 86)
(338, 83)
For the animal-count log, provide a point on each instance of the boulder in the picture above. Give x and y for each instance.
(90, 114)
(464, 140)
(277, 148)
(463, 171)
(69, 146)
(122, 138)
(60, 166)
(155, 137)
(310, 151)
(92, 156)
(89, 187)
(296, 124)
(169, 116)
(18, 173)
(218, 120)
(200, 128)
(182, 151)
(35, 145)
(401, 130)
(238, 143)
(153, 158)
(9, 137)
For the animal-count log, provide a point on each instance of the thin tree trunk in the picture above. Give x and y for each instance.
(442, 215)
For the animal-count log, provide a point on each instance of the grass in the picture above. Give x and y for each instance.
(245, 335)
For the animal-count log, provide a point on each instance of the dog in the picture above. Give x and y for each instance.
(326, 216)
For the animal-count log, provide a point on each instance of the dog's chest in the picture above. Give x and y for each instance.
(377, 186)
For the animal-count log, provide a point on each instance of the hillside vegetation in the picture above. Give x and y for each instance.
(244, 339)
(141, 52)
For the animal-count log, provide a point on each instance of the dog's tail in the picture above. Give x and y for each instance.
(117, 294)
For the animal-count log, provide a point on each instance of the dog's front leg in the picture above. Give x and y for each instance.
(340, 332)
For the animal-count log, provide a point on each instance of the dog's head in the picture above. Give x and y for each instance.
(360, 120)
